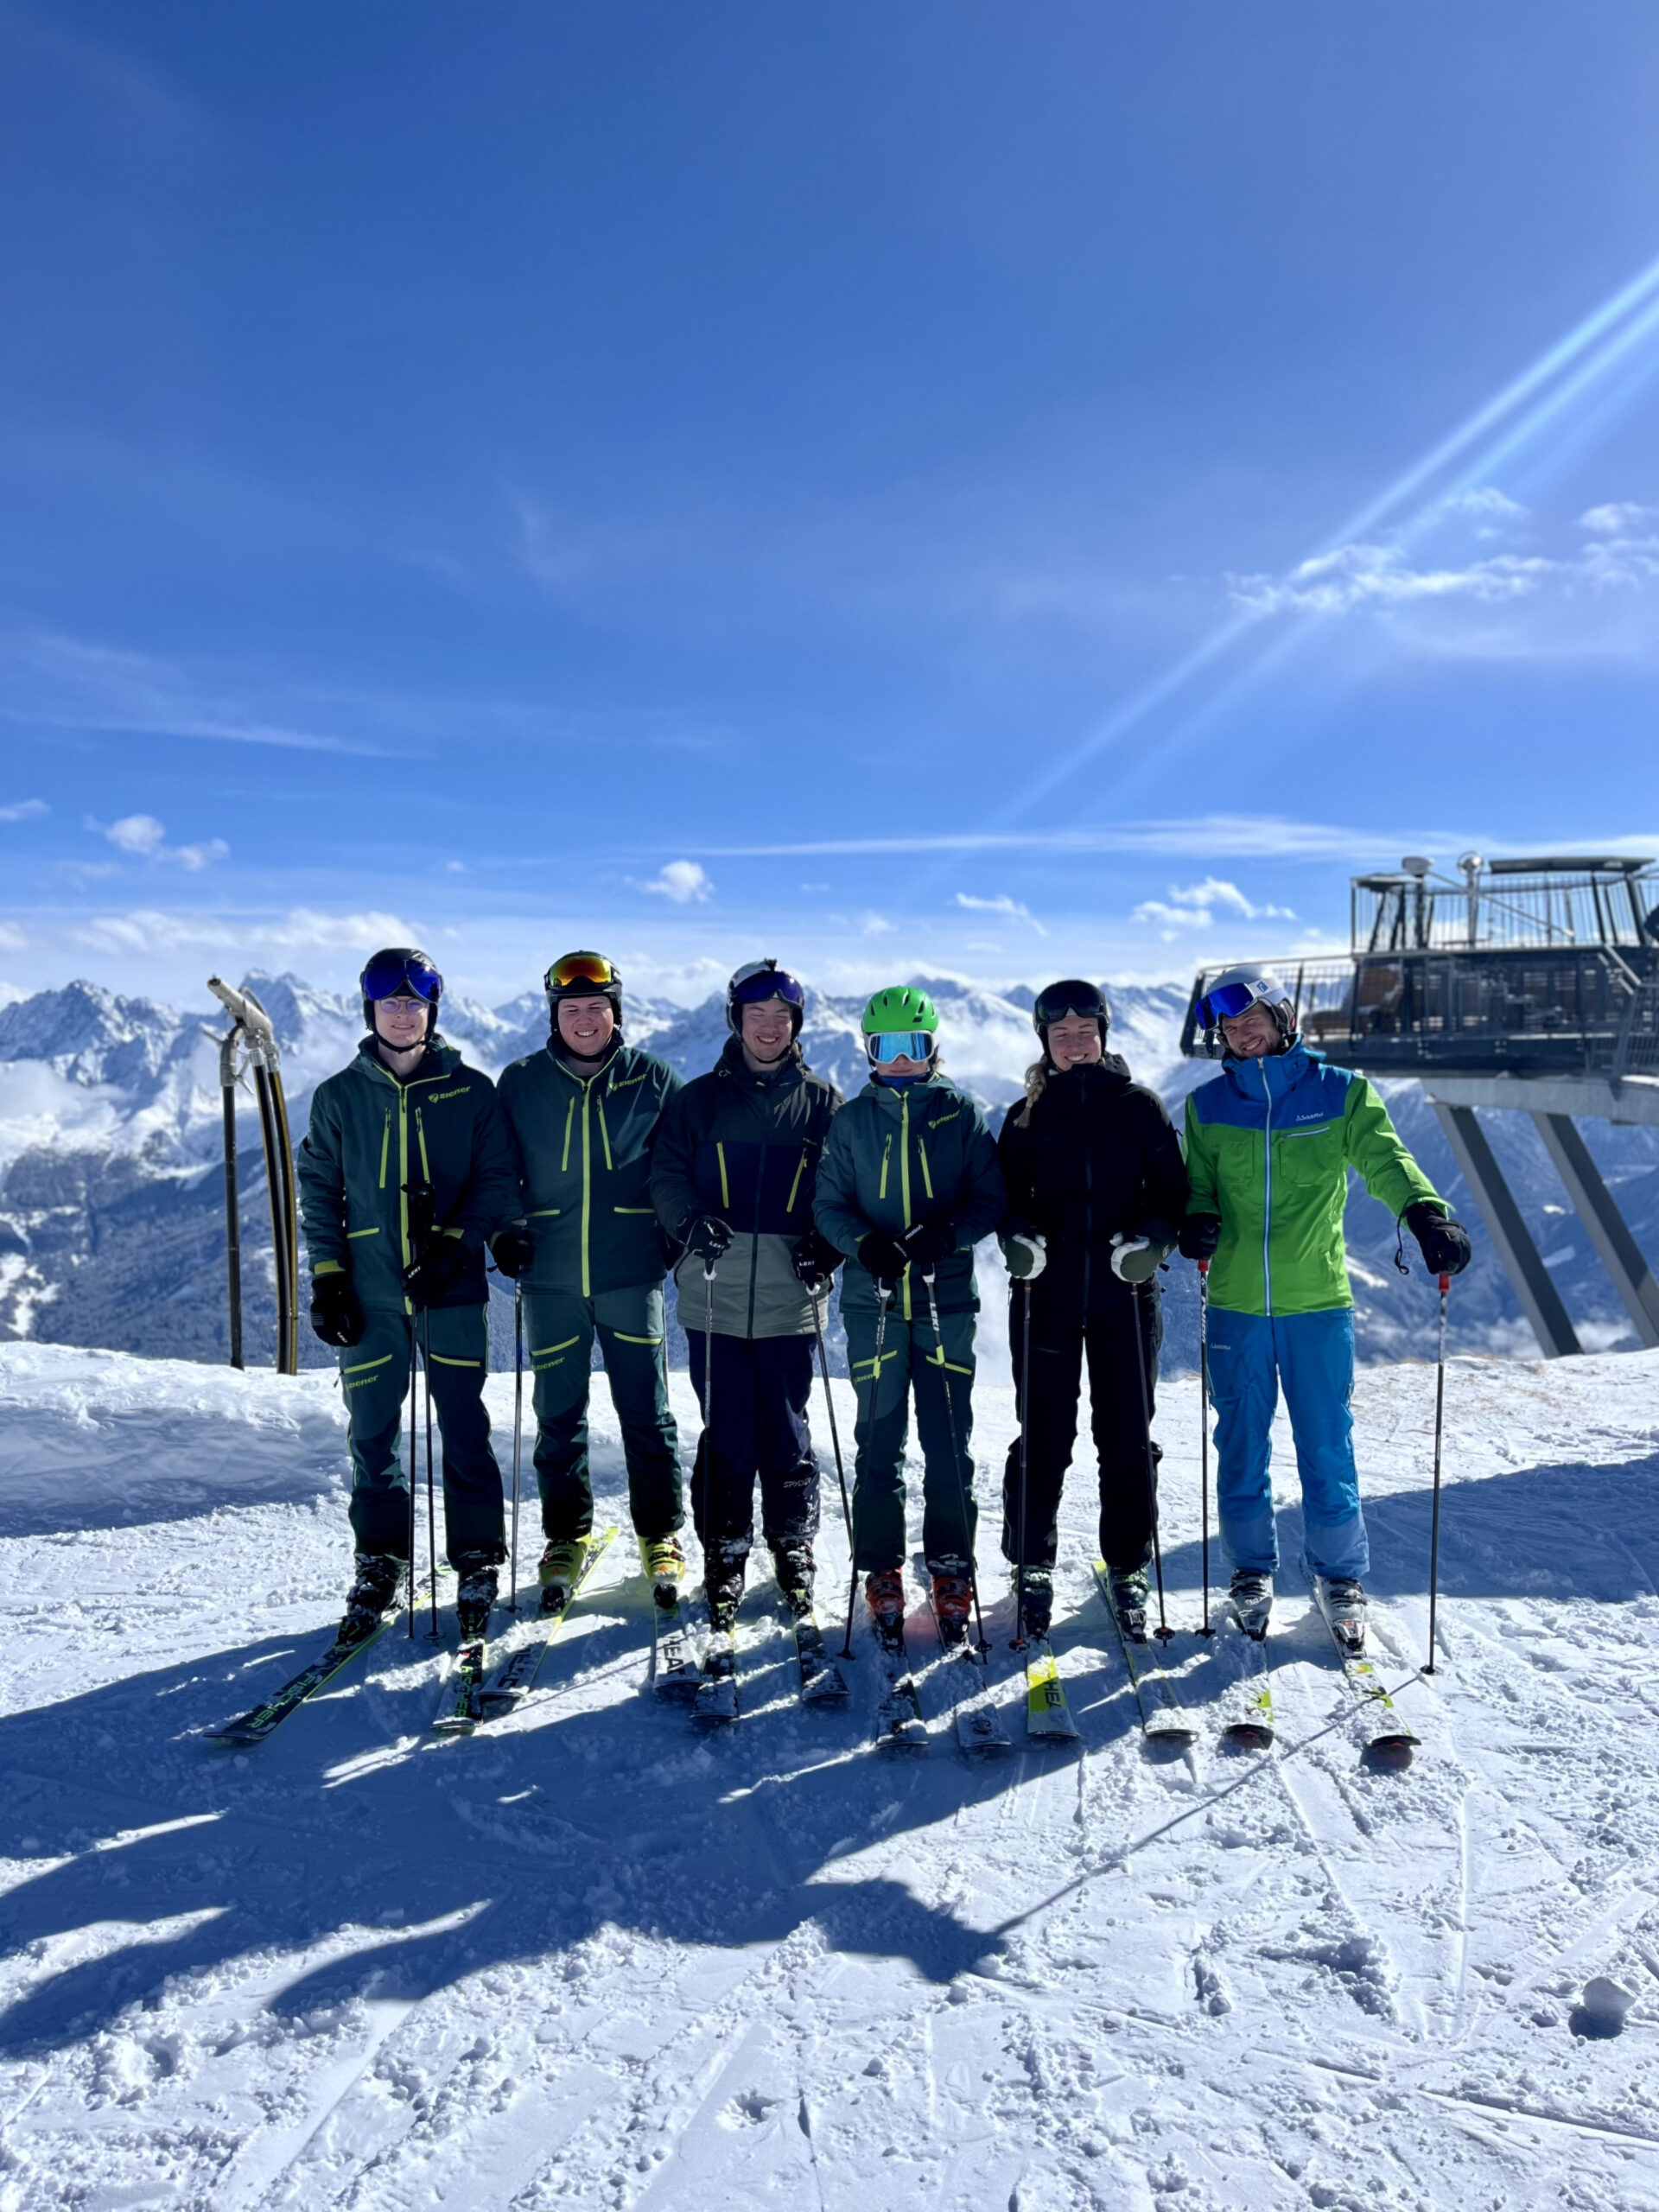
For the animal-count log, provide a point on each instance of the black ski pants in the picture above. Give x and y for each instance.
(1113, 1338)
(761, 1388)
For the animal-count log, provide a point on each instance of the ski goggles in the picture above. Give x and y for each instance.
(581, 968)
(1051, 1008)
(762, 980)
(397, 975)
(1226, 1004)
(899, 1044)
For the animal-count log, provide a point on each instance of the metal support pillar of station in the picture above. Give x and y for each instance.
(1540, 1300)
(1594, 1205)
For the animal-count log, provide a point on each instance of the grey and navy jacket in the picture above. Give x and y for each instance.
(584, 1146)
(900, 1154)
(746, 1148)
(373, 1140)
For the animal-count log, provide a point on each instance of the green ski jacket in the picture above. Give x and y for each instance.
(585, 1145)
(371, 1138)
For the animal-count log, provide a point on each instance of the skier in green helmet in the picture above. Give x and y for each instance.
(908, 1184)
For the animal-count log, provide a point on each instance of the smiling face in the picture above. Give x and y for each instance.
(769, 1031)
(1253, 1034)
(586, 1024)
(1074, 1042)
(400, 1023)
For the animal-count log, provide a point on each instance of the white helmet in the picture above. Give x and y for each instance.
(1235, 991)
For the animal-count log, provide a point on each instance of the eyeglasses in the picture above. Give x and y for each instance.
(900, 1045)
(389, 975)
(764, 979)
(580, 967)
(1226, 1004)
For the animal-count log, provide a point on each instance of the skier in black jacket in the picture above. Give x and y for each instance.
(1096, 1192)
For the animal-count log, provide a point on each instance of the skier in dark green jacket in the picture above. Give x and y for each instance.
(405, 1170)
(909, 1184)
(584, 1113)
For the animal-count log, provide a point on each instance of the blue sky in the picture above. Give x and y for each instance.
(1012, 490)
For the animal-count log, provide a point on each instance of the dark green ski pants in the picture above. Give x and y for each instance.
(374, 1376)
(910, 1361)
(559, 1331)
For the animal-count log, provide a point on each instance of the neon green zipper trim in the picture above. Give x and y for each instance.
(886, 1148)
(921, 1153)
(586, 1193)
(385, 1146)
(725, 1188)
(419, 1138)
(402, 1181)
(795, 1186)
(904, 1180)
(604, 1135)
(570, 1114)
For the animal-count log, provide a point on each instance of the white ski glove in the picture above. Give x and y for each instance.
(1135, 1259)
(1027, 1256)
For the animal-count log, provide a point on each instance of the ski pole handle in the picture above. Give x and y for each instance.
(1203, 1268)
(1446, 1284)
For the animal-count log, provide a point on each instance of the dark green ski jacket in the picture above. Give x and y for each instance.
(897, 1156)
(585, 1147)
(370, 1138)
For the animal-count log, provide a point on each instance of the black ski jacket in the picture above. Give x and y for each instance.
(1095, 1155)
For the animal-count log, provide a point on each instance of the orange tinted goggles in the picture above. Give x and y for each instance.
(579, 968)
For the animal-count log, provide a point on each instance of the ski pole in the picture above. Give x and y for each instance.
(1025, 1418)
(518, 1425)
(1434, 1515)
(835, 1439)
(707, 1412)
(1204, 1436)
(882, 1297)
(1163, 1632)
(956, 1458)
(414, 1473)
(431, 1508)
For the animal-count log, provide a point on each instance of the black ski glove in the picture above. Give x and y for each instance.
(815, 1260)
(336, 1317)
(1200, 1234)
(1444, 1243)
(514, 1250)
(438, 1268)
(928, 1243)
(708, 1238)
(884, 1257)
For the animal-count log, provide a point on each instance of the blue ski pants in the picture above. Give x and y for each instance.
(374, 1375)
(1312, 1357)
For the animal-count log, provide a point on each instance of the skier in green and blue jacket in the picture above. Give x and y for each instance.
(405, 1169)
(1268, 1145)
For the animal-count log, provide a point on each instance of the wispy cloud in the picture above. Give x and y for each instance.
(24, 809)
(143, 837)
(303, 928)
(1236, 836)
(1002, 905)
(684, 882)
(1194, 906)
(11, 938)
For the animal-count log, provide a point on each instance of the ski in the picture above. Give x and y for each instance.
(1247, 1708)
(716, 1698)
(1048, 1717)
(514, 1677)
(1162, 1713)
(253, 1727)
(458, 1712)
(822, 1681)
(968, 1678)
(1382, 1726)
(673, 1670)
(899, 1723)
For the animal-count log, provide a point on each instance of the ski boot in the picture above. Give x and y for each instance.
(475, 1585)
(884, 1594)
(953, 1600)
(793, 1564)
(722, 1587)
(379, 1577)
(1251, 1597)
(664, 1564)
(1129, 1593)
(561, 1570)
(1343, 1603)
(1038, 1608)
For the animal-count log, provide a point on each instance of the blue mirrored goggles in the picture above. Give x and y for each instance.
(900, 1045)
(753, 986)
(1226, 1004)
(388, 974)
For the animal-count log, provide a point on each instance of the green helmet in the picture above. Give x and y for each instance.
(901, 1007)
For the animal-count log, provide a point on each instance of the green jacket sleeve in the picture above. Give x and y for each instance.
(320, 1172)
(491, 1198)
(1373, 1146)
(834, 1206)
(1204, 1195)
(673, 1142)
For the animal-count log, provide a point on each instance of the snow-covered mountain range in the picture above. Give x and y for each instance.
(111, 1222)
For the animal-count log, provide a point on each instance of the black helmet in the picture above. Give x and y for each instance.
(583, 975)
(1071, 997)
(400, 971)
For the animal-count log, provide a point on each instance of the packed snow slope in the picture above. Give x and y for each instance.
(585, 1958)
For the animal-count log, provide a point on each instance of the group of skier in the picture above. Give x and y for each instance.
(592, 1169)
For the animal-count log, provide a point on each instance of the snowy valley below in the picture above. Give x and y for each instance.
(585, 1957)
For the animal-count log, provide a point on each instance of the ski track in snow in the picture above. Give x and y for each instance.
(588, 1957)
